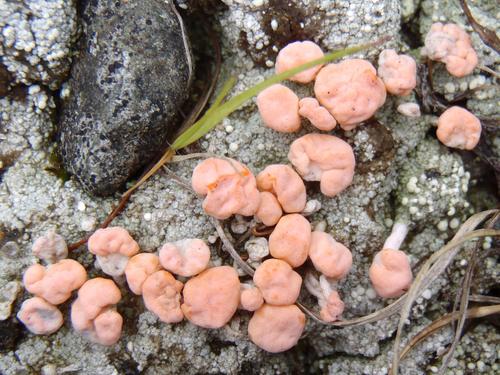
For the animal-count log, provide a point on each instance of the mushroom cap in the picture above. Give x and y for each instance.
(39, 316)
(458, 128)
(317, 115)
(107, 328)
(162, 296)
(286, 184)
(112, 240)
(186, 257)
(228, 186)
(139, 267)
(278, 282)
(276, 328)
(212, 297)
(251, 299)
(279, 108)
(325, 158)
(350, 90)
(328, 256)
(451, 45)
(56, 282)
(398, 72)
(298, 53)
(390, 273)
(333, 308)
(94, 297)
(51, 247)
(269, 211)
(291, 239)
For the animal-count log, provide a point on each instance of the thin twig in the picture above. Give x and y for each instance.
(230, 249)
(435, 266)
(489, 37)
(464, 298)
(474, 312)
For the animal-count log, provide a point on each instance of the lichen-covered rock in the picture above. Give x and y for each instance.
(263, 27)
(126, 86)
(35, 40)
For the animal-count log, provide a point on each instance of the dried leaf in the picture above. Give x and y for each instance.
(474, 312)
(489, 37)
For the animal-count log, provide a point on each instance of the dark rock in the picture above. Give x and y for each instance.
(132, 75)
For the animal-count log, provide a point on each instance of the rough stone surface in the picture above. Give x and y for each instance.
(125, 90)
(35, 41)
(389, 152)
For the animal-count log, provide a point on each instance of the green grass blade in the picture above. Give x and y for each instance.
(184, 138)
(214, 115)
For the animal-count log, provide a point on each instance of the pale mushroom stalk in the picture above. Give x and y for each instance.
(397, 236)
(325, 290)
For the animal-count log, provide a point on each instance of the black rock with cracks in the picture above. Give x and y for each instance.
(131, 76)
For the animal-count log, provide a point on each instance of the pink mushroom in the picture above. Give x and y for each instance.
(350, 90)
(278, 282)
(113, 247)
(269, 211)
(139, 267)
(328, 256)
(324, 158)
(39, 316)
(329, 300)
(93, 313)
(162, 296)
(390, 273)
(316, 114)
(451, 45)
(276, 328)
(228, 186)
(279, 108)
(251, 297)
(398, 72)
(298, 53)
(458, 128)
(333, 308)
(186, 257)
(291, 239)
(51, 247)
(212, 297)
(286, 184)
(56, 282)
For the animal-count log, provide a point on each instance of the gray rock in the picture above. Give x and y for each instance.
(125, 90)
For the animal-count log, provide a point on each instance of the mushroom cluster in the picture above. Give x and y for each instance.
(179, 280)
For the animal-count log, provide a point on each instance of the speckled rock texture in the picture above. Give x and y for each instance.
(402, 174)
(35, 41)
(126, 86)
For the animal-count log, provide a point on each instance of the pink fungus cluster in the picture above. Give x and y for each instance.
(186, 257)
(212, 297)
(458, 128)
(390, 272)
(162, 296)
(93, 314)
(285, 184)
(451, 45)
(324, 158)
(350, 90)
(228, 187)
(290, 239)
(39, 316)
(51, 247)
(398, 72)
(279, 108)
(113, 248)
(298, 53)
(56, 282)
